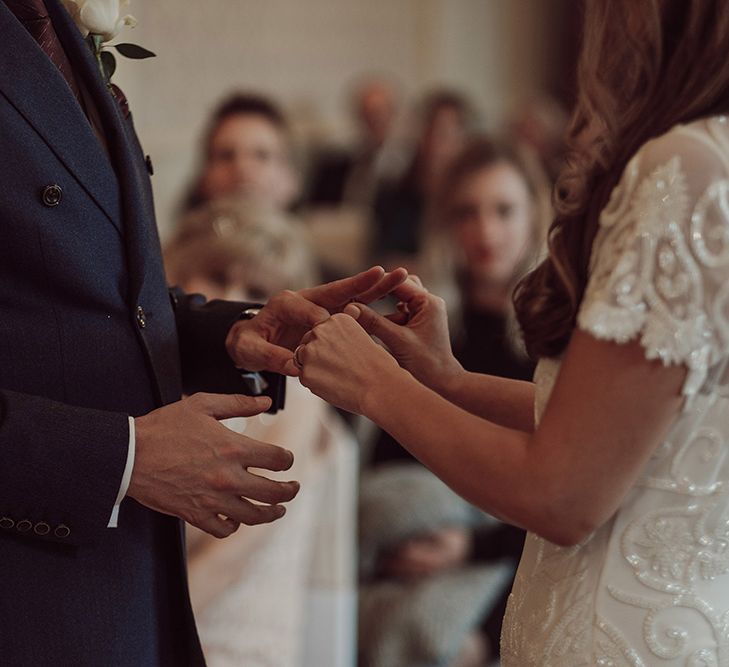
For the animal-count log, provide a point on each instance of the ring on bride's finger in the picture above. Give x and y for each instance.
(297, 360)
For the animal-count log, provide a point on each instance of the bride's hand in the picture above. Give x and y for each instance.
(417, 335)
(265, 342)
(340, 363)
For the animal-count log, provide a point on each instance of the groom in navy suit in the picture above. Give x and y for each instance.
(98, 454)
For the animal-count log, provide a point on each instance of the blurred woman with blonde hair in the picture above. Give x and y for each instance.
(233, 248)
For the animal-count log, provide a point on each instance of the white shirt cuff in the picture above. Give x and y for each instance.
(126, 477)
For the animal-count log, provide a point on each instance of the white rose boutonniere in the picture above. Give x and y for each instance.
(100, 17)
(100, 21)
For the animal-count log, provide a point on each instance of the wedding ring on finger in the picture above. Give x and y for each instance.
(297, 359)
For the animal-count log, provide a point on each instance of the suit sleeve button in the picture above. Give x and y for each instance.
(23, 526)
(6, 522)
(62, 531)
(52, 195)
(141, 317)
(42, 528)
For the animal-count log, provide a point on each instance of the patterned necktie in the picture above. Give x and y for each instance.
(34, 16)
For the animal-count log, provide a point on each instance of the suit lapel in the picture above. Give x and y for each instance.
(139, 226)
(38, 91)
(147, 285)
(35, 87)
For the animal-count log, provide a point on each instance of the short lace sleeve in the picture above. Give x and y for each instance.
(660, 261)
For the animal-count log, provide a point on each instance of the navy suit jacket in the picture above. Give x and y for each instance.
(75, 361)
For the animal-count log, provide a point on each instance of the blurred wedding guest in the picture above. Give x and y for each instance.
(224, 249)
(434, 546)
(350, 176)
(245, 150)
(234, 246)
(445, 121)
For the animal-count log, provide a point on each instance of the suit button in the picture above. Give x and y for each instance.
(42, 528)
(52, 195)
(150, 166)
(141, 317)
(62, 531)
(23, 525)
(6, 522)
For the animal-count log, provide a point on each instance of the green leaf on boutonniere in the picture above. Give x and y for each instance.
(108, 62)
(133, 51)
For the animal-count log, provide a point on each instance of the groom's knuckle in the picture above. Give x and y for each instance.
(207, 502)
(229, 450)
(225, 480)
(276, 301)
(200, 400)
(269, 356)
(287, 295)
(214, 480)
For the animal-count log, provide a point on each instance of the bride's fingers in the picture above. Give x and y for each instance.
(408, 290)
(400, 318)
(389, 283)
(374, 323)
(332, 295)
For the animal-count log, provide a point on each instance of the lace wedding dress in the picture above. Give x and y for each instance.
(651, 586)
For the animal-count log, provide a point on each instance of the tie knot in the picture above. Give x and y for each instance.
(27, 10)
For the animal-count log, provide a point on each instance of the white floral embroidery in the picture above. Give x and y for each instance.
(651, 586)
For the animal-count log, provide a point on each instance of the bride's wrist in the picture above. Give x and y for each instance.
(384, 392)
(448, 380)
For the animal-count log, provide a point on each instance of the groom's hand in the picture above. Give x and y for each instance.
(267, 341)
(189, 465)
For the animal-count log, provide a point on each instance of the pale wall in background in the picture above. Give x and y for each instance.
(306, 52)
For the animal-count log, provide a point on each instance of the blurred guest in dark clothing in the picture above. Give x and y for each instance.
(445, 119)
(350, 177)
(487, 230)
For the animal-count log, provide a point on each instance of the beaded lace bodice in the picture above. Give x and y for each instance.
(651, 586)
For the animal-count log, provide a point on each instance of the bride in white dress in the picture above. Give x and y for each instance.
(616, 459)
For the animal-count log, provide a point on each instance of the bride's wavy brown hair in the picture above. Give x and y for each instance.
(645, 66)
